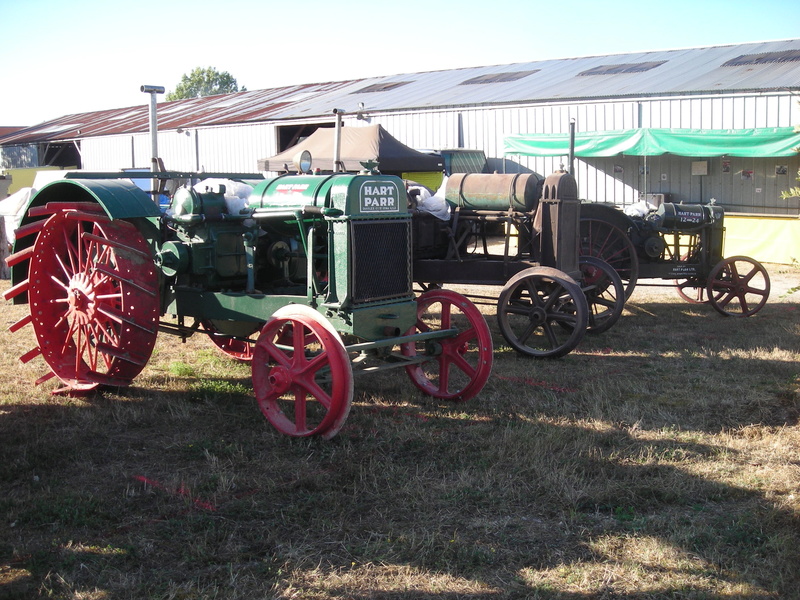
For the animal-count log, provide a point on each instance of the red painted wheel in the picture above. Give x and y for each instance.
(604, 291)
(301, 373)
(93, 293)
(608, 242)
(228, 337)
(459, 366)
(738, 286)
(691, 290)
(542, 312)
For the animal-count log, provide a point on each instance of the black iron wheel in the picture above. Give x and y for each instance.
(611, 244)
(542, 312)
(738, 286)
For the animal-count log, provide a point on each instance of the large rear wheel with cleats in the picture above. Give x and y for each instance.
(460, 364)
(93, 294)
(302, 375)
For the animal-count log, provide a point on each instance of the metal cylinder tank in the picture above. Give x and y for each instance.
(483, 191)
(681, 215)
(291, 191)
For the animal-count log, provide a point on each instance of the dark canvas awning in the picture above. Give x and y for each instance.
(358, 144)
(764, 142)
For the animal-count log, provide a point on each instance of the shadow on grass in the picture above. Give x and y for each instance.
(163, 497)
(615, 472)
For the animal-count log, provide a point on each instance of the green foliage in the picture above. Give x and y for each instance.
(204, 82)
(796, 288)
(794, 191)
(182, 369)
(216, 387)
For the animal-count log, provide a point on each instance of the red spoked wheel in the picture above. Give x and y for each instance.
(691, 290)
(738, 286)
(229, 336)
(93, 294)
(608, 242)
(542, 312)
(604, 291)
(460, 365)
(302, 375)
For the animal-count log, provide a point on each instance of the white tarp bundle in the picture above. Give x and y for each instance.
(12, 209)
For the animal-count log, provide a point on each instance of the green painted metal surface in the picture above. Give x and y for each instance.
(370, 196)
(292, 192)
(369, 322)
(353, 195)
(120, 199)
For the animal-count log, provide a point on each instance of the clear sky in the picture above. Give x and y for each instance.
(61, 57)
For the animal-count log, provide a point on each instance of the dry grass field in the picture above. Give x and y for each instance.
(661, 459)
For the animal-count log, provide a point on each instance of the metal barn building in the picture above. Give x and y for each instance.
(742, 87)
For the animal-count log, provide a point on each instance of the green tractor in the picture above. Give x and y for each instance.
(310, 281)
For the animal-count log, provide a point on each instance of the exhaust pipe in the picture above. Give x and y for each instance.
(153, 90)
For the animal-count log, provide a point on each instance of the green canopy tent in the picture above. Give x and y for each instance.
(774, 240)
(763, 142)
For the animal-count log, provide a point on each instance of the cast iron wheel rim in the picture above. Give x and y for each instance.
(459, 366)
(609, 243)
(604, 291)
(542, 313)
(238, 349)
(738, 286)
(93, 293)
(692, 291)
(302, 375)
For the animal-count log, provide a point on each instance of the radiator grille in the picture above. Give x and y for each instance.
(381, 260)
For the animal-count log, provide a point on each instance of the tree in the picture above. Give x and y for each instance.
(204, 82)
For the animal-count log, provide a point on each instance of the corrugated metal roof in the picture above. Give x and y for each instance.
(760, 66)
(9, 130)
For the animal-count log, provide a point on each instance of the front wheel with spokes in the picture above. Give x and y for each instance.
(302, 375)
(738, 287)
(459, 365)
(542, 312)
(691, 290)
(604, 291)
(231, 337)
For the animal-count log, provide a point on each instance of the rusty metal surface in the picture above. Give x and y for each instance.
(225, 109)
(711, 70)
(484, 191)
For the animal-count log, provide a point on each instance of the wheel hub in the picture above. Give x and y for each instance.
(82, 299)
(279, 379)
(433, 348)
(537, 315)
(591, 275)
